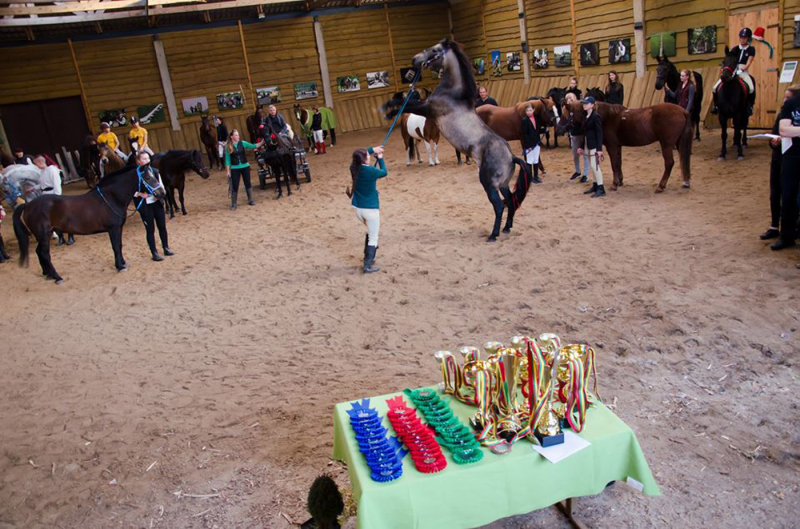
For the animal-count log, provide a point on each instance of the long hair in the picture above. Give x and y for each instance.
(689, 76)
(616, 80)
(359, 159)
(230, 140)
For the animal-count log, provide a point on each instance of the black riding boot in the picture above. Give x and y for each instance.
(600, 192)
(233, 199)
(249, 192)
(535, 170)
(369, 260)
(592, 190)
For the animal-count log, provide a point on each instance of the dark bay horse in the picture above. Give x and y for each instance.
(102, 209)
(667, 74)
(507, 121)
(278, 155)
(173, 166)
(597, 93)
(90, 168)
(665, 123)
(556, 95)
(732, 103)
(208, 137)
(254, 121)
(451, 105)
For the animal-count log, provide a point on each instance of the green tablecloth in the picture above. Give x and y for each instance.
(497, 486)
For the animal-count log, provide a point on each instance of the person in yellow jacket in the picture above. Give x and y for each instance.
(110, 139)
(138, 134)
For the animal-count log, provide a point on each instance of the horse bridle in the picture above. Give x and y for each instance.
(438, 55)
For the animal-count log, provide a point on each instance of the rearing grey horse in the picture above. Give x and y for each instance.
(452, 106)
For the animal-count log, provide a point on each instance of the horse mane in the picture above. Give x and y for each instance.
(112, 178)
(465, 65)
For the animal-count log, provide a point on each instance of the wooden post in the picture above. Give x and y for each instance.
(523, 37)
(576, 54)
(84, 99)
(166, 83)
(247, 67)
(323, 63)
(395, 73)
(639, 38)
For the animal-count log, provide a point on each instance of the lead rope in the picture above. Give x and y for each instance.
(402, 107)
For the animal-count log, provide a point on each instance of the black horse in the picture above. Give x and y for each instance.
(556, 95)
(732, 103)
(667, 74)
(103, 209)
(597, 93)
(451, 105)
(90, 161)
(173, 166)
(278, 155)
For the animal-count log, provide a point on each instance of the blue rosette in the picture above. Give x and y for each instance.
(384, 455)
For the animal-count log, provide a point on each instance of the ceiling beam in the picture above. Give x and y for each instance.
(144, 10)
(72, 7)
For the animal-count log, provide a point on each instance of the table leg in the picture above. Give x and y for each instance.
(566, 508)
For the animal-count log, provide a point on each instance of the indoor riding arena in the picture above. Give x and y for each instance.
(253, 271)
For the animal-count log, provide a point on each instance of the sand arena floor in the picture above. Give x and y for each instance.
(214, 373)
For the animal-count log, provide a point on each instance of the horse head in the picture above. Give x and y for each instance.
(150, 181)
(663, 71)
(198, 166)
(204, 123)
(298, 112)
(448, 58)
(729, 62)
(571, 117)
(597, 94)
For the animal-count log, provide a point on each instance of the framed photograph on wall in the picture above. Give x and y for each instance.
(194, 106)
(702, 40)
(479, 66)
(115, 117)
(590, 54)
(377, 80)
(269, 95)
(663, 44)
(619, 51)
(151, 113)
(407, 74)
(305, 90)
(540, 59)
(513, 62)
(230, 100)
(797, 31)
(348, 83)
(562, 55)
(497, 67)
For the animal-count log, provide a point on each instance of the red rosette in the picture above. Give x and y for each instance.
(429, 467)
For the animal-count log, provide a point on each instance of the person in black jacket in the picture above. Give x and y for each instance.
(316, 126)
(789, 128)
(222, 135)
(593, 143)
(531, 144)
(573, 87)
(615, 92)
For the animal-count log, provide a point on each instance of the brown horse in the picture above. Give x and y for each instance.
(665, 123)
(208, 137)
(253, 121)
(415, 129)
(110, 161)
(103, 209)
(507, 121)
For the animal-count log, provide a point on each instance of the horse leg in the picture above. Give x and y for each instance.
(115, 235)
(409, 151)
(436, 153)
(43, 251)
(277, 175)
(669, 162)
(333, 136)
(497, 205)
(180, 196)
(510, 218)
(723, 123)
(615, 155)
(697, 129)
(287, 180)
(430, 154)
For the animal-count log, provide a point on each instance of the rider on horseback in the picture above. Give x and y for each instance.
(747, 54)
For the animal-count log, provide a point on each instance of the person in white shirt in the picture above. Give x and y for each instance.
(50, 184)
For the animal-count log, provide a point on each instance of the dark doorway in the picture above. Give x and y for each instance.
(43, 127)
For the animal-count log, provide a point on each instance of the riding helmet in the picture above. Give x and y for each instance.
(745, 32)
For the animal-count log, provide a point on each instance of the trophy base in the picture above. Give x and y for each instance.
(549, 440)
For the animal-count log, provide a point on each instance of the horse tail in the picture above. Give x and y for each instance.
(523, 184)
(22, 235)
(685, 148)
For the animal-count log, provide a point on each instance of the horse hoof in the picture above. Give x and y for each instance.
(740, 158)
(686, 185)
(459, 162)
(183, 213)
(506, 230)
(613, 188)
(721, 159)
(59, 281)
(659, 189)
(492, 238)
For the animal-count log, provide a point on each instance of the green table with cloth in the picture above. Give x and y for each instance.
(495, 487)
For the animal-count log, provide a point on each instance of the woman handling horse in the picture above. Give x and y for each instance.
(238, 166)
(531, 145)
(365, 199)
(151, 209)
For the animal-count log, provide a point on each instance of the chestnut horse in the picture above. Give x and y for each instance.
(665, 123)
(208, 137)
(103, 209)
(507, 121)
(415, 129)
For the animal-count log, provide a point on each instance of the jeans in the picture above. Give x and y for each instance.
(577, 141)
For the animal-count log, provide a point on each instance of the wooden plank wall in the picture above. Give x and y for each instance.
(414, 29)
(502, 31)
(38, 72)
(601, 22)
(468, 30)
(549, 25)
(679, 16)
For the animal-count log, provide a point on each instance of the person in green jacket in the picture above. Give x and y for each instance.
(238, 166)
(364, 195)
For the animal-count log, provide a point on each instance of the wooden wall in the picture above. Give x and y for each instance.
(679, 16)
(38, 72)
(601, 22)
(549, 25)
(468, 29)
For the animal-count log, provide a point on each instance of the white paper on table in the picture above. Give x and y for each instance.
(767, 136)
(572, 444)
(786, 144)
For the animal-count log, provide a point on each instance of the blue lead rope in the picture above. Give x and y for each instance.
(391, 128)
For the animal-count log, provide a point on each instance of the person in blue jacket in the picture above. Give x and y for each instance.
(364, 195)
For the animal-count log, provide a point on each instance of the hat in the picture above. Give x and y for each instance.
(588, 100)
(759, 34)
(134, 119)
(745, 32)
